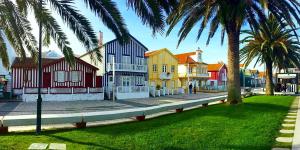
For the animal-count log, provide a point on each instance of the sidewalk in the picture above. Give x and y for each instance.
(29, 108)
(296, 139)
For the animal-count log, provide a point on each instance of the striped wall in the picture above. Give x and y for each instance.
(19, 82)
(133, 48)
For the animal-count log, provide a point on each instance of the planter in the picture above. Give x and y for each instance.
(80, 124)
(140, 118)
(3, 130)
(179, 110)
(205, 105)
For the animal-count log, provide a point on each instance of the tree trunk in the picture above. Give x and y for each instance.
(269, 77)
(234, 87)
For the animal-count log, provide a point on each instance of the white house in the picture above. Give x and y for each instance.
(5, 74)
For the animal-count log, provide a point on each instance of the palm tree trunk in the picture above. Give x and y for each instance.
(234, 88)
(269, 77)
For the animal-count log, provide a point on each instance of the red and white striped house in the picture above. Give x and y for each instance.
(60, 80)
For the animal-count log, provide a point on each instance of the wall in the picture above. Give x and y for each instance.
(160, 58)
(132, 95)
(63, 97)
(96, 63)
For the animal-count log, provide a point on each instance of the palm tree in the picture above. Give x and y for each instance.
(15, 25)
(230, 15)
(273, 45)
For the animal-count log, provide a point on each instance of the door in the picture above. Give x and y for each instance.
(88, 80)
(46, 79)
(99, 81)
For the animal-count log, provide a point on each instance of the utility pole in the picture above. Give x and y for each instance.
(39, 99)
(114, 84)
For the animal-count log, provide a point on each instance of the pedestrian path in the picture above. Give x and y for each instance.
(289, 135)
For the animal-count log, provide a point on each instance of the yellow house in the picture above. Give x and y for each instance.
(162, 69)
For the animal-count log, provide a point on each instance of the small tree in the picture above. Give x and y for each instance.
(273, 45)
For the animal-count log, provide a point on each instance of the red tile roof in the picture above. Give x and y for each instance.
(185, 58)
(214, 67)
(31, 63)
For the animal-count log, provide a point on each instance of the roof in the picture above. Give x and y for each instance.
(114, 41)
(253, 71)
(151, 53)
(261, 74)
(31, 63)
(214, 67)
(185, 58)
(242, 65)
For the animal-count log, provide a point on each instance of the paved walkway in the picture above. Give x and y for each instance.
(29, 108)
(296, 139)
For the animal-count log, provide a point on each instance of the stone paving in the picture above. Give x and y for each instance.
(29, 108)
(291, 120)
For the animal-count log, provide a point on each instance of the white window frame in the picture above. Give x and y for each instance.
(173, 68)
(110, 58)
(75, 76)
(126, 80)
(126, 59)
(60, 76)
(154, 68)
(164, 68)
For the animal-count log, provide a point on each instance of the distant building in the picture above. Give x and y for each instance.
(248, 77)
(5, 73)
(192, 70)
(217, 76)
(130, 66)
(60, 81)
(162, 70)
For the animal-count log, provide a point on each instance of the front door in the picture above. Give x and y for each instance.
(46, 79)
(88, 80)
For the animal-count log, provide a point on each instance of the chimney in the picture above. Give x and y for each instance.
(100, 39)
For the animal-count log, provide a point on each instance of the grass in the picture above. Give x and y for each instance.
(251, 125)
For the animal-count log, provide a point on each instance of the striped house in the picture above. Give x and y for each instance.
(130, 66)
(58, 79)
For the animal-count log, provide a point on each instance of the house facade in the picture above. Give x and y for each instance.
(60, 80)
(217, 76)
(163, 71)
(192, 70)
(124, 68)
(5, 73)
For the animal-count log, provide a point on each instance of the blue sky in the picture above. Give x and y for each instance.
(212, 53)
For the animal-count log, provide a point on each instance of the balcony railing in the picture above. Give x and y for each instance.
(127, 67)
(132, 89)
(166, 76)
(199, 75)
(62, 90)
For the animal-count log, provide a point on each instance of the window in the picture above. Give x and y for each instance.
(164, 68)
(164, 84)
(154, 68)
(140, 80)
(140, 61)
(125, 80)
(110, 58)
(75, 76)
(59, 76)
(110, 79)
(190, 69)
(27, 75)
(172, 68)
(126, 60)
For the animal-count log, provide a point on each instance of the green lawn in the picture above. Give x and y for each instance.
(251, 125)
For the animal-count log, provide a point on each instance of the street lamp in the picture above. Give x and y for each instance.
(39, 99)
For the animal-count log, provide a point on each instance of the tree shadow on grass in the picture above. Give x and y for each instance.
(242, 112)
(81, 142)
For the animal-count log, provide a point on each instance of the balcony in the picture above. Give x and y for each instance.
(127, 67)
(193, 75)
(166, 76)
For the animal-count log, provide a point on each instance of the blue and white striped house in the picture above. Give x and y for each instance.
(130, 66)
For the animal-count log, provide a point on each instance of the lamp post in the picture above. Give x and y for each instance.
(39, 99)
